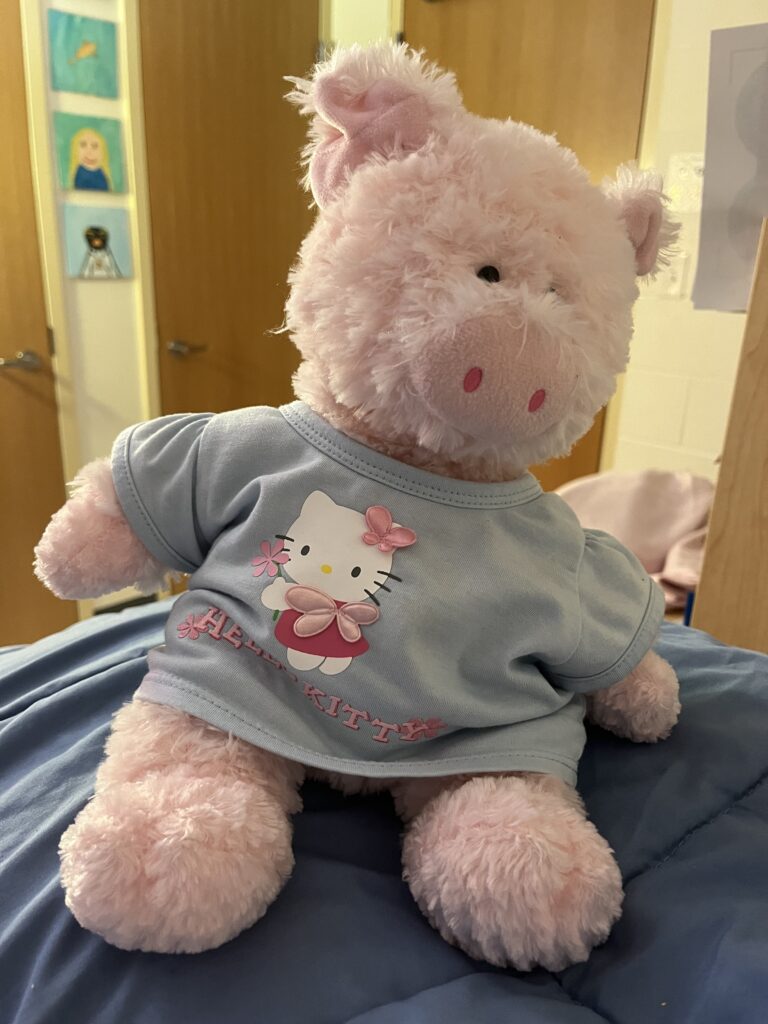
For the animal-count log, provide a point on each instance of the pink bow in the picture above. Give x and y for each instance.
(383, 534)
(319, 610)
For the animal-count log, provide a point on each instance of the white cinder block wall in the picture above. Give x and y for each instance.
(672, 408)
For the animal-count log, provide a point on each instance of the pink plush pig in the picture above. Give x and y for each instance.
(379, 591)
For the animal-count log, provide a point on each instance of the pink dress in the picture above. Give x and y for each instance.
(328, 644)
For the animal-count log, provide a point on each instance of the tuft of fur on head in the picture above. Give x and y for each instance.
(354, 70)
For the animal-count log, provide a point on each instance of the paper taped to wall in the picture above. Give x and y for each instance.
(735, 195)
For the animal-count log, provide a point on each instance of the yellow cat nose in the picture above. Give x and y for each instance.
(325, 568)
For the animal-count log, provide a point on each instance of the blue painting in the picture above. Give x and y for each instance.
(97, 242)
(83, 54)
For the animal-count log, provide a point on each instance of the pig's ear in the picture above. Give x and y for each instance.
(381, 101)
(642, 206)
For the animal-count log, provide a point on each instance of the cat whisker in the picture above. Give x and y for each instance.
(381, 586)
(391, 575)
(282, 536)
(372, 597)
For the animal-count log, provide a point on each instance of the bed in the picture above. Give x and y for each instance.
(344, 942)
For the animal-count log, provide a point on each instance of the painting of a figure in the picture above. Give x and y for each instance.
(97, 243)
(89, 152)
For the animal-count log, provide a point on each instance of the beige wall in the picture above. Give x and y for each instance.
(672, 409)
(360, 21)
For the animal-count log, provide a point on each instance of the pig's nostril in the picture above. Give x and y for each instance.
(473, 379)
(537, 400)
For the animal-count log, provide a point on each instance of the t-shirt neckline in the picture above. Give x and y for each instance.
(409, 479)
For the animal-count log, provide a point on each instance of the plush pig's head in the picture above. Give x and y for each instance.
(464, 297)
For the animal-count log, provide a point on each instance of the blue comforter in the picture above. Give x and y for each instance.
(344, 942)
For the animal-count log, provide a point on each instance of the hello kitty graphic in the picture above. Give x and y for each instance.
(338, 559)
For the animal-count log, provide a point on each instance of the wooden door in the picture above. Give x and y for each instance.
(31, 480)
(573, 67)
(227, 210)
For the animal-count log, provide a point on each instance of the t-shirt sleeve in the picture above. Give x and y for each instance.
(155, 467)
(621, 612)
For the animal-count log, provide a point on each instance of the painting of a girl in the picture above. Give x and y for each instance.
(89, 161)
(89, 152)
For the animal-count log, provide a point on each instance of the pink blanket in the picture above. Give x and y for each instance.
(660, 516)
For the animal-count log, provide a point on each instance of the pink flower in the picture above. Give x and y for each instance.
(419, 729)
(433, 727)
(271, 558)
(188, 629)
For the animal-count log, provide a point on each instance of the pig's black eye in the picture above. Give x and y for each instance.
(489, 274)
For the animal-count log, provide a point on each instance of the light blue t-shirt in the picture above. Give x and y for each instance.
(353, 613)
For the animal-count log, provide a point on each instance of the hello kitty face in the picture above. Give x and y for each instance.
(328, 551)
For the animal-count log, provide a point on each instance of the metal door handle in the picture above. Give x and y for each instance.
(26, 360)
(183, 348)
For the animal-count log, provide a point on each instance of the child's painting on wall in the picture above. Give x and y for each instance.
(89, 152)
(97, 242)
(83, 54)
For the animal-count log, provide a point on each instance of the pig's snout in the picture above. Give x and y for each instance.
(495, 378)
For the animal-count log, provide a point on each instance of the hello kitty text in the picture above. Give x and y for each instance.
(217, 625)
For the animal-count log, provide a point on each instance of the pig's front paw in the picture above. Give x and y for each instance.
(89, 549)
(644, 707)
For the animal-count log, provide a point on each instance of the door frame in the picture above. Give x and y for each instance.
(47, 200)
(136, 158)
(42, 160)
(51, 262)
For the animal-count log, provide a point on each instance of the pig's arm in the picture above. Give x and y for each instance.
(644, 707)
(88, 548)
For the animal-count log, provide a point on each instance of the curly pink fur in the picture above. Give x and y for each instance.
(644, 707)
(383, 280)
(88, 548)
(509, 869)
(188, 838)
